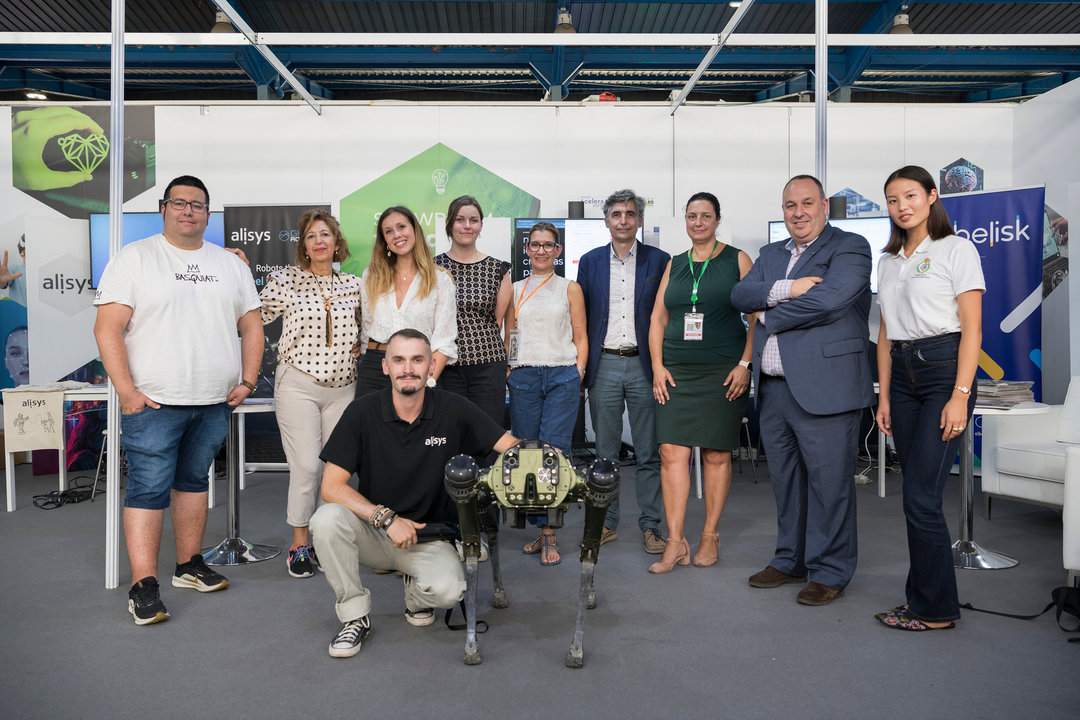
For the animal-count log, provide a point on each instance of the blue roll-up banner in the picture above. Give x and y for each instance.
(1007, 228)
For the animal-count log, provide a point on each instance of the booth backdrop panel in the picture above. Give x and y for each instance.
(60, 301)
(600, 149)
(741, 156)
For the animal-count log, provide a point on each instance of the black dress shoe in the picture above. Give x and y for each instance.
(817, 594)
(770, 577)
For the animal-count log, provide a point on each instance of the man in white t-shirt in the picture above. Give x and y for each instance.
(170, 308)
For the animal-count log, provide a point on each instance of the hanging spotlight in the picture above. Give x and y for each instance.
(35, 96)
(221, 23)
(900, 23)
(565, 22)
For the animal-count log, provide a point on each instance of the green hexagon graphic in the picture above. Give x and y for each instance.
(426, 184)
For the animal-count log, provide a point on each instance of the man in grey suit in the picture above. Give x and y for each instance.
(811, 371)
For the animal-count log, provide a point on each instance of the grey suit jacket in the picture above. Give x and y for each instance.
(823, 335)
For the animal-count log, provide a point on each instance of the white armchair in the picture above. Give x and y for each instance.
(1036, 458)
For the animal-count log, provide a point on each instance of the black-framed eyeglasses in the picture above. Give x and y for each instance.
(546, 247)
(180, 205)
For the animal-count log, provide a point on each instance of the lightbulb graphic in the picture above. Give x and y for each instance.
(440, 178)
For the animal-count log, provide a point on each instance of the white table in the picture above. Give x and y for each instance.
(967, 553)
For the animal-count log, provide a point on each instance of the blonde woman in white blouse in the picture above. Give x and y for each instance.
(403, 288)
(316, 374)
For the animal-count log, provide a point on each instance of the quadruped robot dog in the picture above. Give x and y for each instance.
(532, 478)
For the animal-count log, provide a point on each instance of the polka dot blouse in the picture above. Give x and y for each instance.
(300, 297)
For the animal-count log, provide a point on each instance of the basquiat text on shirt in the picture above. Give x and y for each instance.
(193, 275)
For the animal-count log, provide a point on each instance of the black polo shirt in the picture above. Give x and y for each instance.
(400, 464)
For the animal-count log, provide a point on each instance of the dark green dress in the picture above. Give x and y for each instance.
(698, 412)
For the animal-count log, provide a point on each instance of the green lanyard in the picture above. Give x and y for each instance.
(697, 280)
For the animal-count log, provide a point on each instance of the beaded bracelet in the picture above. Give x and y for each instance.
(375, 514)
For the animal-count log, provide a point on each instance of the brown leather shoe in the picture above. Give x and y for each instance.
(654, 541)
(607, 535)
(770, 577)
(817, 594)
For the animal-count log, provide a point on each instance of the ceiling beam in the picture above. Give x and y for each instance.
(16, 78)
(711, 55)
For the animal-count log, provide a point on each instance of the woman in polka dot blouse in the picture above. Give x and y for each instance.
(316, 373)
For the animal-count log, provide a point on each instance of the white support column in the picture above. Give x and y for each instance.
(116, 219)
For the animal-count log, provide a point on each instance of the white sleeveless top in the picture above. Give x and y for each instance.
(545, 335)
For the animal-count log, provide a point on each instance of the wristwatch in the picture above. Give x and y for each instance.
(747, 364)
(961, 388)
(249, 386)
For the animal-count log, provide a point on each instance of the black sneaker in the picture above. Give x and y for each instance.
(300, 562)
(144, 602)
(347, 642)
(314, 557)
(195, 574)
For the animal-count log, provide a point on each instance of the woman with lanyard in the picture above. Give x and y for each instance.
(930, 286)
(701, 371)
(315, 372)
(483, 295)
(403, 288)
(547, 348)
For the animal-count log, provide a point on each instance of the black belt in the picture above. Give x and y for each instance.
(623, 352)
(765, 377)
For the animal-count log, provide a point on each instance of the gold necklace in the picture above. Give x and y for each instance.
(326, 304)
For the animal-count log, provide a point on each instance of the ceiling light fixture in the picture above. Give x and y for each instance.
(565, 22)
(35, 96)
(221, 23)
(900, 23)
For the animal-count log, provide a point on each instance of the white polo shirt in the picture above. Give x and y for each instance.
(917, 294)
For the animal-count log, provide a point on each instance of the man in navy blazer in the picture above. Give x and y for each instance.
(619, 281)
(812, 376)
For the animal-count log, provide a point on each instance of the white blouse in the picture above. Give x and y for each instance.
(917, 294)
(300, 297)
(435, 315)
(545, 333)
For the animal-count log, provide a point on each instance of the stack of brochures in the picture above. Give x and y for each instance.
(1004, 393)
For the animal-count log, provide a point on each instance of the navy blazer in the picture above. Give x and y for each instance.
(823, 335)
(594, 277)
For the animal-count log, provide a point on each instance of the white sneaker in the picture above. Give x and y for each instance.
(420, 618)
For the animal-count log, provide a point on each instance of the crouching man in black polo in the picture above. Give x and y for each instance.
(397, 441)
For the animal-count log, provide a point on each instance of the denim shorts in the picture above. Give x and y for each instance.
(171, 448)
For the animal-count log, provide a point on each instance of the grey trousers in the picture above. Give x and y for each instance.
(343, 542)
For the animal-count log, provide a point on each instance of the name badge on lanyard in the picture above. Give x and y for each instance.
(693, 326)
(694, 322)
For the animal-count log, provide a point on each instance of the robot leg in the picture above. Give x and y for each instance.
(602, 482)
(460, 478)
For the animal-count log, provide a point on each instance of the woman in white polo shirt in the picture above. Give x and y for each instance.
(930, 286)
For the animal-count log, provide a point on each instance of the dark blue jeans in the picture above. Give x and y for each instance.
(922, 380)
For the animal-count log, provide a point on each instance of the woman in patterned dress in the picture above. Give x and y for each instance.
(483, 295)
(316, 373)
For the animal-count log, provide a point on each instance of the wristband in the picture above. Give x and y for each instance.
(961, 388)
(249, 386)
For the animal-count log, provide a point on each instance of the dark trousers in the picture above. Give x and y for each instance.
(483, 383)
(371, 377)
(922, 380)
(812, 467)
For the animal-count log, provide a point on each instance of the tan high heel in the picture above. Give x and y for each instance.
(660, 567)
(708, 550)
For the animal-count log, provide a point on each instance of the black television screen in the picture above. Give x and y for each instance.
(876, 230)
(138, 225)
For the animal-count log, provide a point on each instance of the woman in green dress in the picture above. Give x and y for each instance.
(701, 373)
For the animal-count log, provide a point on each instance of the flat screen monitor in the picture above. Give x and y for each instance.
(138, 225)
(876, 230)
(577, 237)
